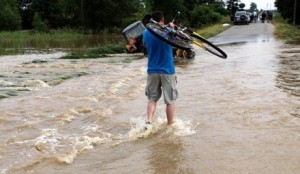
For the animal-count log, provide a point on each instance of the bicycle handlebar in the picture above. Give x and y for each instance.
(176, 16)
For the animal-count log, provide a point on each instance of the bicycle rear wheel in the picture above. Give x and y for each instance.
(208, 46)
(168, 37)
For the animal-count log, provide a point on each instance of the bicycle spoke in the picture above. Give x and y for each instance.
(166, 36)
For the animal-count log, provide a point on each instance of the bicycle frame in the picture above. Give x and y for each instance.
(197, 43)
(181, 38)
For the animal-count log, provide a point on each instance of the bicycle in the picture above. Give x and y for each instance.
(182, 37)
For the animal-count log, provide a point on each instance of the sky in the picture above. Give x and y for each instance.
(261, 4)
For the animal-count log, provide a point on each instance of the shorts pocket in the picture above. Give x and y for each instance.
(146, 91)
(175, 94)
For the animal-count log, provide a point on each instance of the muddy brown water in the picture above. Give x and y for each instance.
(233, 116)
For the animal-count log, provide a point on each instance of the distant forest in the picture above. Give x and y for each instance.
(97, 15)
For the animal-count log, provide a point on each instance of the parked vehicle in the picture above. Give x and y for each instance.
(241, 17)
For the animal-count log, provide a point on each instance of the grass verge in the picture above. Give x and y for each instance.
(214, 29)
(23, 42)
(286, 31)
(97, 52)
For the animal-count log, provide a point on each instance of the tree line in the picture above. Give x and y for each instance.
(97, 15)
(289, 9)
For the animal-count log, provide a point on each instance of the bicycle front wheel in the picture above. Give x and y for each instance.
(167, 36)
(208, 46)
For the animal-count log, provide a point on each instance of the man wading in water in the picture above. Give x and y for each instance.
(161, 72)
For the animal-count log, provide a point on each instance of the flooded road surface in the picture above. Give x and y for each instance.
(233, 116)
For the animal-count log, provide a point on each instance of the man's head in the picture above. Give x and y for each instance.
(158, 16)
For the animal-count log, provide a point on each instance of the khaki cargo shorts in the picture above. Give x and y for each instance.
(162, 83)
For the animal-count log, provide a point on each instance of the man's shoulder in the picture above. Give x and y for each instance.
(146, 30)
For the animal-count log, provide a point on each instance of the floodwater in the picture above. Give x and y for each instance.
(233, 116)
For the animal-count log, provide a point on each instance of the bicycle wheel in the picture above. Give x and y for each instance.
(167, 36)
(208, 46)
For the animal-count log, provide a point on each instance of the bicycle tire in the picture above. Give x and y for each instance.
(170, 38)
(208, 46)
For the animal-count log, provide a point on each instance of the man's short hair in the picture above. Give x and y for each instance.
(157, 16)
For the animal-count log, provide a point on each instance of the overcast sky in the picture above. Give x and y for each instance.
(261, 4)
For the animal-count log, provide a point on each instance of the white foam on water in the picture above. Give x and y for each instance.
(80, 144)
(5, 83)
(181, 128)
(68, 116)
(139, 128)
(34, 85)
(48, 140)
(33, 56)
(116, 86)
(3, 171)
(28, 85)
(65, 148)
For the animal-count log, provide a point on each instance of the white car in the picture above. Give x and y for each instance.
(241, 17)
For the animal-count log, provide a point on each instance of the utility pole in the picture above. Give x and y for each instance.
(295, 12)
(82, 14)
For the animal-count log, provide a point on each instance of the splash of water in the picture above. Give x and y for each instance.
(139, 129)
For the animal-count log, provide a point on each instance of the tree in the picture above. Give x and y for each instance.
(168, 7)
(25, 10)
(219, 7)
(232, 6)
(101, 14)
(50, 12)
(38, 24)
(253, 7)
(98, 15)
(9, 15)
(72, 12)
(242, 5)
(286, 9)
(203, 14)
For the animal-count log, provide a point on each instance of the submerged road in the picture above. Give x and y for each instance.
(245, 33)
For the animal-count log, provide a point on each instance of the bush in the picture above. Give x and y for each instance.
(202, 15)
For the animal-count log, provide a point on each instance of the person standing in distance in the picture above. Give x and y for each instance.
(161, 77)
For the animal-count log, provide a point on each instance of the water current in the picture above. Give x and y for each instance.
(233, 116)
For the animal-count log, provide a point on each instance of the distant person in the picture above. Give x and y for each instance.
(161, 77)
(263, 16)
(269, 16)
(255, 16)
(251, 17)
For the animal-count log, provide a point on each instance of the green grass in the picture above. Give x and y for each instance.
(98, 52)
(214, 29)
(22, 42)
(80, 46)
(56, 34)
(286, 31)
(25, 39)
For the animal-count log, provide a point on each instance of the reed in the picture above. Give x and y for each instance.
(20, 42)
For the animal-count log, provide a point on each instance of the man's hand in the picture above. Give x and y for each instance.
(171, 24)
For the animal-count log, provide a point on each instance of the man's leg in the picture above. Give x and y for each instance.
(170, 109)
(150, 110)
